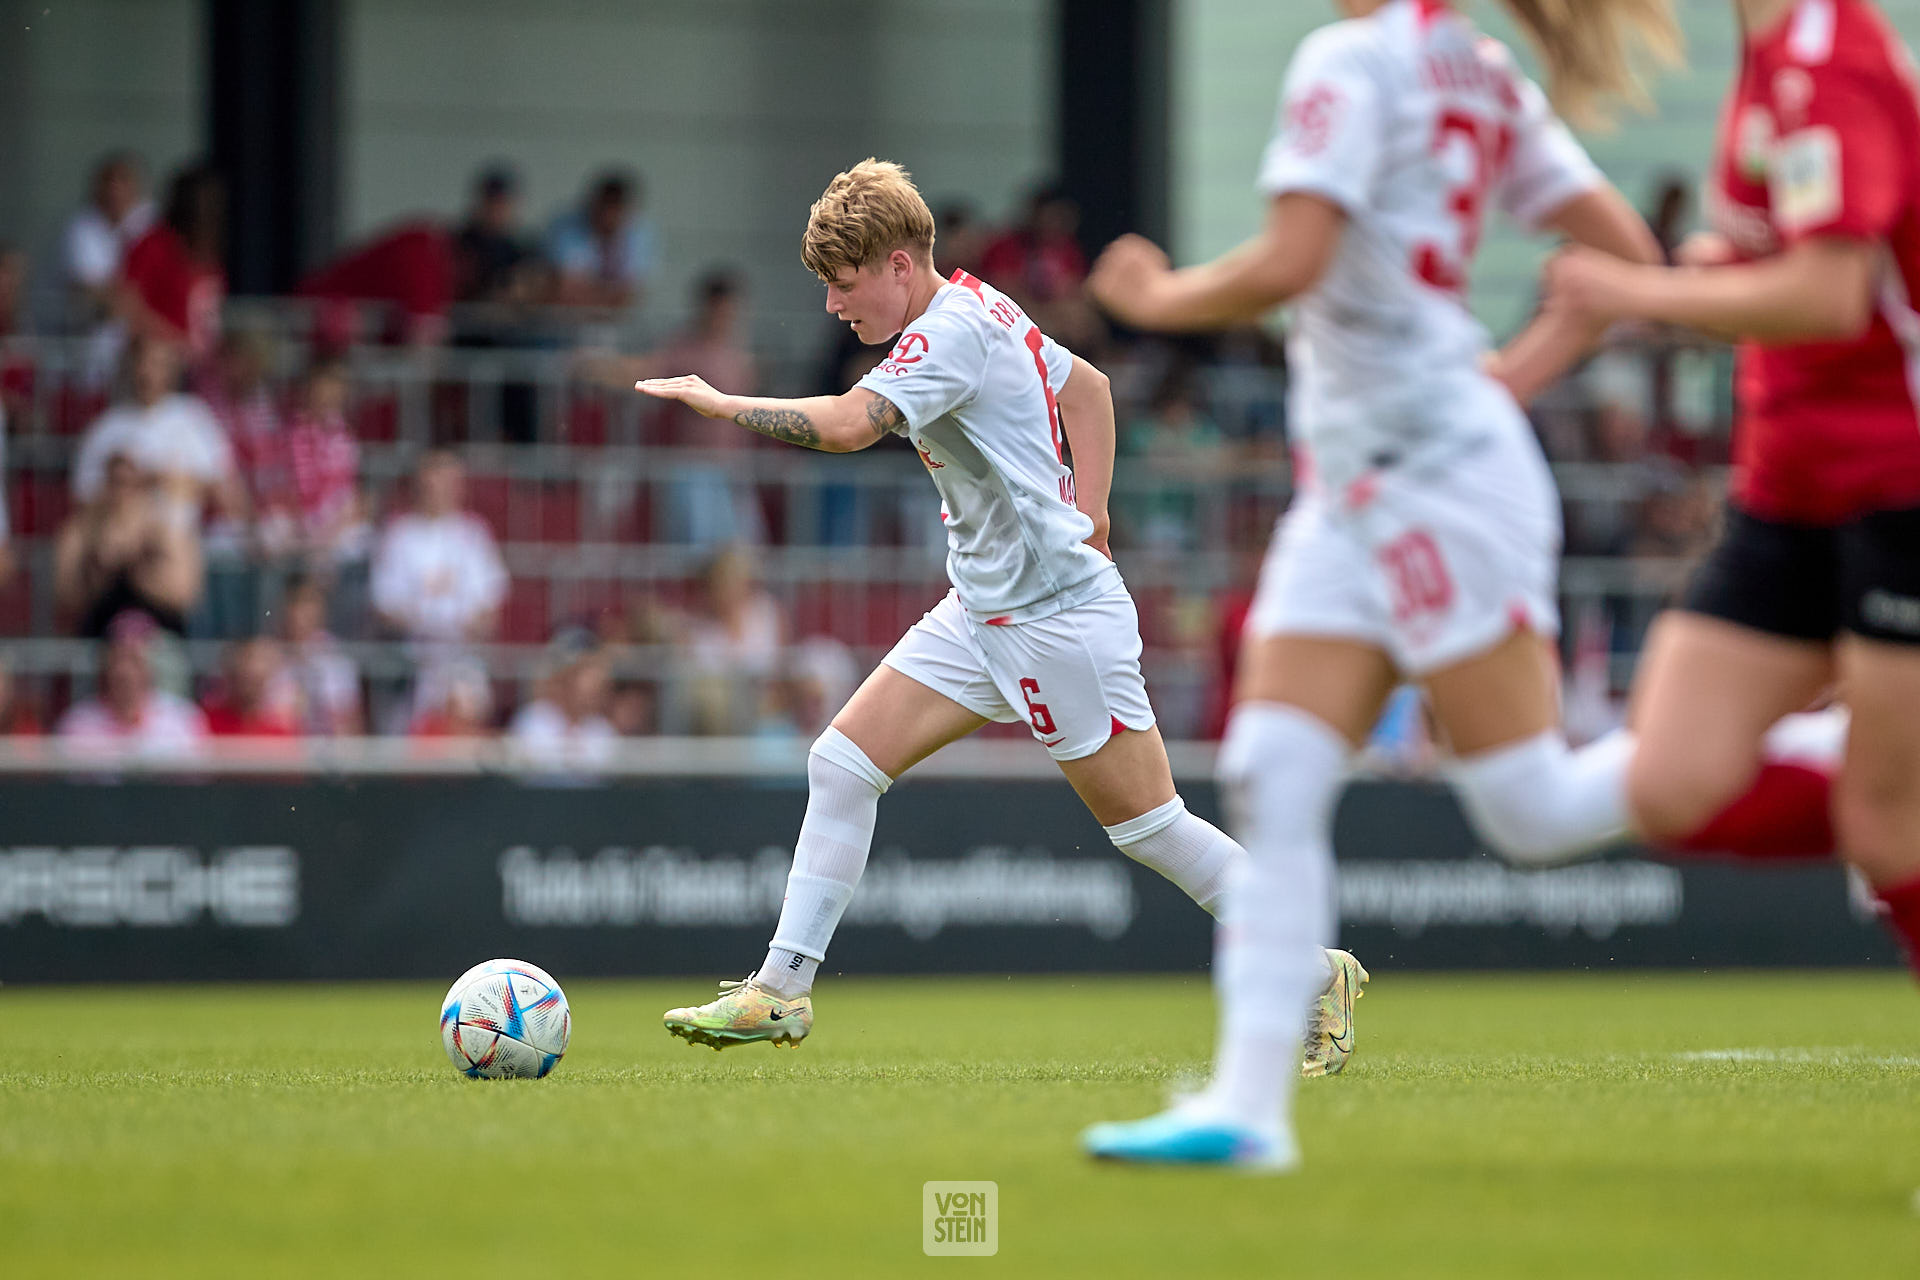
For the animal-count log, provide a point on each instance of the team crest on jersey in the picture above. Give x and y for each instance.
(1311, 119)
(909, 351)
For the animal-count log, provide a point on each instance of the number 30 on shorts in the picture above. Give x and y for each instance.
(1417, 575)
(1037, 714)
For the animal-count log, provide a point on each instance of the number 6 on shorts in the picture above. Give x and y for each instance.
(1037, 714)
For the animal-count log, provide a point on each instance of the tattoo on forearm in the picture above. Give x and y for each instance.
(789, 426)
(884, 416)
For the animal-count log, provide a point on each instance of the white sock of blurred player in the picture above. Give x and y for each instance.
(1281, 772)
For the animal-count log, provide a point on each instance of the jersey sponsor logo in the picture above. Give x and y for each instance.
(927, 458)
(1312, 118)
(1805, 181)
(1890, 612)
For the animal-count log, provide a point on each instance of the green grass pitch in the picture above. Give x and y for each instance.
(1583, 1125)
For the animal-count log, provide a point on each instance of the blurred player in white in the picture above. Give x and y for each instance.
(1038, 627)
(1424, 544)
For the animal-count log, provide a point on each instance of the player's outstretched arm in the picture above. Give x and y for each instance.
(1086, 415)
(1138, 286)
(1557, 339)
(831, 424)
(1820, 290)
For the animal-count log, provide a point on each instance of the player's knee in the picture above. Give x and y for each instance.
(1876, 818)
(1674, 794)
(833, 754)
(1535, 803)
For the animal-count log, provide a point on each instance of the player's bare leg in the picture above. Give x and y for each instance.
(1876, 798)
(1706, 695)
(891, 723)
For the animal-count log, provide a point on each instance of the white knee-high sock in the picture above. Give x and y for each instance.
(1188, 850)
(1539, 802)
(1281, 771)
(843, 798)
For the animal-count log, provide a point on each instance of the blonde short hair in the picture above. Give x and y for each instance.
(865, 214)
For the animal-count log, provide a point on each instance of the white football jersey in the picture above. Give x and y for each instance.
(976, 380)
(1414, 123)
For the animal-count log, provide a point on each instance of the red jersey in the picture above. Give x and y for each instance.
(177, 287)
(1821, 137)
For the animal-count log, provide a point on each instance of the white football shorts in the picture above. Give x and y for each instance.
(1433, 568)
(1073, 677)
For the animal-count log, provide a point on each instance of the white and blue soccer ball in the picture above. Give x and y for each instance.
(505, 1020)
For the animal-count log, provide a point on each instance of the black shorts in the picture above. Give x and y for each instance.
(1811, 582)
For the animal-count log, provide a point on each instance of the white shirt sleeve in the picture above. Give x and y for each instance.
(1059, 362)
(934, 368)
(1548, 168)
(1327, 138)
(92, 251)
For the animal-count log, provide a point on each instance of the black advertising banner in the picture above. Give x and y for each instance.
(343, 878)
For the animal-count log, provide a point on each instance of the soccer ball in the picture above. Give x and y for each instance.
(505, 1019)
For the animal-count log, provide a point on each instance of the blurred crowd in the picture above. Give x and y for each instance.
(220, 494)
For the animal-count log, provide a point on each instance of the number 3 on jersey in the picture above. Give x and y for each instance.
(1487, 146)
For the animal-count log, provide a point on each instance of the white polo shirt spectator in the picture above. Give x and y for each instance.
(437, 575)
(156, 428)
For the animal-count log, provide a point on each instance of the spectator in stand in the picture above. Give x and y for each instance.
(730, 646)
(93, 247)
(708, 504)
(488, 252)
(316, 678)
(1039, 261)
(408, 267)
(127, 713)
(604, 251)
(172, 281)
(236, 390)
(437, 575)
(566, 726)
(132, 547)
(311, 483)
(163, 431)
(250, 701)
(452, 699)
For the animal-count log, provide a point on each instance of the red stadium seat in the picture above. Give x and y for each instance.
(492, 499)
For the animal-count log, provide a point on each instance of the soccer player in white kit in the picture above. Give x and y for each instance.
(1424, 544)
(1038, 627)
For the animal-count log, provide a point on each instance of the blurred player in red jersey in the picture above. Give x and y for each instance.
(1424, 543)
(1814, 264)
